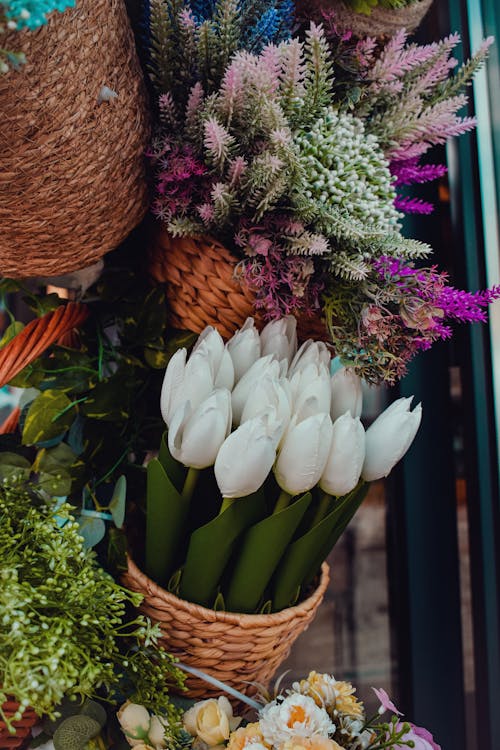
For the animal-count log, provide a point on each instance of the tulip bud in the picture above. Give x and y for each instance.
(347, 454)
(389, 437)
(247, 456)
(244, 348)
(157, 732)
(310, 351)
(303, 454)
(244, 388)
(185, 381)
(211, 344)
(279, 337)
(347, 394)
(269, 393)
(312, 380)
(195, 436)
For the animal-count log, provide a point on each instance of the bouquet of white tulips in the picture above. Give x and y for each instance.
(263, 464)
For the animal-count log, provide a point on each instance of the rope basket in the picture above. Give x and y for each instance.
(202, 289)
(72, 184)
(236, 649)
(381, 22)
(23, 727)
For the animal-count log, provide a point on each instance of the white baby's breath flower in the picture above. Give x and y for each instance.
(294, 716)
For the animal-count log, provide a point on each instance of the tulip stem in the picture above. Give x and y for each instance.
(323, 508)
(282, 502)
(190, 484)
(226, 503)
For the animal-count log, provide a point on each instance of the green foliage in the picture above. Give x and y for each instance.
(366, 6)
(65, 630)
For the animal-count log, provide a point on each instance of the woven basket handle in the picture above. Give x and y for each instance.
(32, 341)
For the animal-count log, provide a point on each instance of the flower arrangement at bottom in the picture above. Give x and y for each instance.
(317, 713)
(264, 463)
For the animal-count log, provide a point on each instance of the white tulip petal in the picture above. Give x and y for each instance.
(243, 389)
(347, 393)
(303, 454)
(347, 453)
(313, 380)
(279, 337)
(268, 393)
(310, 351)
(244, 348)
(225, 374)
(246, 457)
(196, 435)
(172, 383)
(389, 438)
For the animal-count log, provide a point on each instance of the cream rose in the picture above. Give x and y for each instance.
(211, 720)
(135, 722)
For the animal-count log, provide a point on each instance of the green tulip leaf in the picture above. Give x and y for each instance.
(92, 530)
(259, 555)
(304, 556)
(117, 504)
(49, 416)
(175, 471)
(12, 465)
(75, 732)
(166, 519)
(212, 545)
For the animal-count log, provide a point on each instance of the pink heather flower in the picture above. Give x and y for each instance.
(217, 139)
(422, 739)
(237, 169)
(410, 172)
(413, 205)
(385, 701)
(206, 212)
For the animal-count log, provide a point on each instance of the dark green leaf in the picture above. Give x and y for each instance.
(53, 466)
(211, 547)
(305, 555)
(166, 518)
(117, 550)
(174, 469)
(49, 415)
(95, 711)
(259, 554)
(12, 465)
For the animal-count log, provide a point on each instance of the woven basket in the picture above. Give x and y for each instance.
(202, 289)
(32, 341)
(236, 649)
(72, 184)
(23, 727)
(382, 22)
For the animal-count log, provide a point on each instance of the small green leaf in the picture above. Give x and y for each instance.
(75, 732)
(11, 331)
(175, 582)
(92, 529)
(49, 415)
(156, 358)
(13, 465)
(266, 608)
(219, 604)
(117, 504)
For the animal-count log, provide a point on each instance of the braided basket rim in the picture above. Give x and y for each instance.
(149, 588)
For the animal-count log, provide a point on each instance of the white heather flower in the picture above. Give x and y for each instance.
(294, 716)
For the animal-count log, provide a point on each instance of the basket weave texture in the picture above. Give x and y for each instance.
(202, 289)
(236, 649)
(72, 184)
(23, 726)
(381, 22)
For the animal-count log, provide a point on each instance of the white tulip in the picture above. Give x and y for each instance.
(195, 435)
(347, 454)
(269, 393)
(211, 344)
(244, 388)
(310, 351)
(347, 393)
(303, 454)
(312, 380)
(389, 437)
(185, 381)
(279, 337)
(244, 348)
(247, 456)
